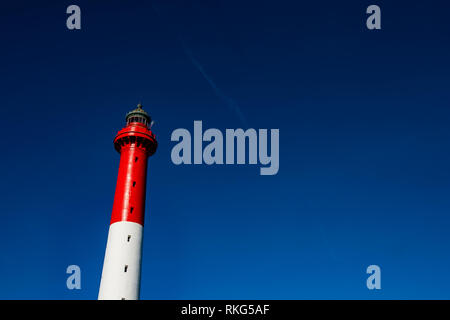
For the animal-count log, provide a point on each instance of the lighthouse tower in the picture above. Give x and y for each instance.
(122, 265)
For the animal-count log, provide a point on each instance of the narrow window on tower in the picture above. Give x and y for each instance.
(136, 159)
(131, 210)
(126, 268)
(128, 238)
(134, 183)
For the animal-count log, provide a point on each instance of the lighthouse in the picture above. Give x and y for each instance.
(122, 264)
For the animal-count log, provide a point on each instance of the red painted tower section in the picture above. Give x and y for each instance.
(122, 264)
(135, 143)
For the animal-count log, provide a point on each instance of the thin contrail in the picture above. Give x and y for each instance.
(229, 102)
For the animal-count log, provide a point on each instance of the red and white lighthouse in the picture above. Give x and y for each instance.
(122, 265)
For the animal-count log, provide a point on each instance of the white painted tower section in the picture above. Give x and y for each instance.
(122, 265)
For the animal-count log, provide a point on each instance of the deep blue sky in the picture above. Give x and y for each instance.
(364, 146)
